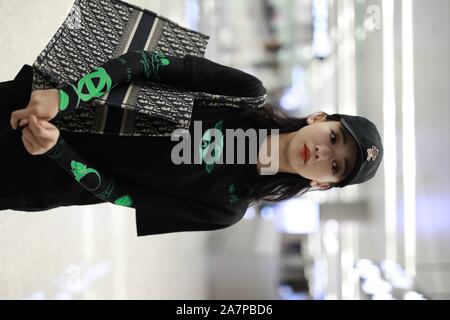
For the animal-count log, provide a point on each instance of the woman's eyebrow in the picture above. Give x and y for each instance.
(344, 139)
(344, 136)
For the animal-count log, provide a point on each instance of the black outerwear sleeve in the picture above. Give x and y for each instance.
(162, 212)
(15, 94)
(91, 178)
(202, 74)
(191, 73)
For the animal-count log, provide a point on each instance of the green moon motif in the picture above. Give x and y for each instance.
(216, 152)
(152, 61)
(80, 170)
(104, 85)
(125, 201)
(63, 100)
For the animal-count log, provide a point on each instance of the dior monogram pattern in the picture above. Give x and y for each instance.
(73, 52)
(217, 100)
(105, 29)
(82, 119)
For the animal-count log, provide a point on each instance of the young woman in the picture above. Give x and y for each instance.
(46, 168)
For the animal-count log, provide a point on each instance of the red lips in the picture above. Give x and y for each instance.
(305, 153)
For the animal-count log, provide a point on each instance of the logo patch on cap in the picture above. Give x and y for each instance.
(372, 153)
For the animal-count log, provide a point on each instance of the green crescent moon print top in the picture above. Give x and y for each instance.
(139, 173)
(131, 65)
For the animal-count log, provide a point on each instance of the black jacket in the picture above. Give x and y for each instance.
(205, 201)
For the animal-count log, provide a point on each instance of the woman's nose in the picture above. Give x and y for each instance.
(322, 153)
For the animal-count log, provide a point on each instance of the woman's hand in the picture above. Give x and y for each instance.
(39, 136)
(44, 104)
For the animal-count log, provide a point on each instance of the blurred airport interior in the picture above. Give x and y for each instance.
(384, 239)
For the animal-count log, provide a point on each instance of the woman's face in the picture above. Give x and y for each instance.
(331, 150)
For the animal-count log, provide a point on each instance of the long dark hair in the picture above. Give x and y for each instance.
(281, 186)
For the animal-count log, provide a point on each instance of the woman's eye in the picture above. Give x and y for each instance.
(333, 138)
(334, 168)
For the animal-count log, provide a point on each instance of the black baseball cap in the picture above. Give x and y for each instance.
(369, 145)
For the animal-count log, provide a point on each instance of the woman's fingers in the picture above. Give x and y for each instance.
(34, 130)
(46, 125)
(31, 137)
(23, 122)
(30, 142)
(27, 143)
(37, 128)
(18, 115)
(43, 104)
(39, 136)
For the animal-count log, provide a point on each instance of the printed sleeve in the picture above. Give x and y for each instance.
(191, 73)
(89, 176)
(123, 69)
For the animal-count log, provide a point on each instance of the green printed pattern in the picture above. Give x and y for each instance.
(104, 85)
(218, 147)
(232, 198)
(152, 62)
(63, 100)
(80, 171)
(124, 201)
(124, 68)
(89, 178)
(85, 89)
